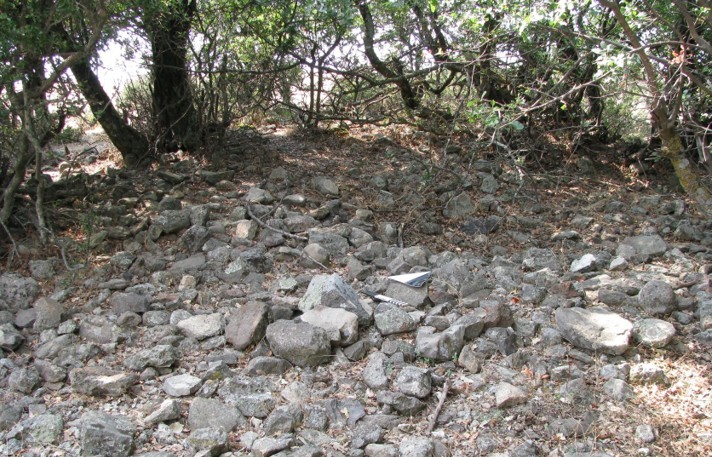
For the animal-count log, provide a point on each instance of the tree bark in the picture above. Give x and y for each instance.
(173, 106)
(132, 145)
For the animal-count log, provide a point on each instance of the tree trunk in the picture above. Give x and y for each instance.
(132, 145)
(689, 179)
(173, 105)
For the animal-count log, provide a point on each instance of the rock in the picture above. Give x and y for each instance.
(538, 259)
(17, 292)
(168, 410)
(246, 325)
(705, 313)
(213, 413)
(208, 441)
(439, 346)
(301, 344)
(48, 312)
(194, 238)
(332, 292)
(583, 264)
(325, 186)
(50, 372)
(654, 333)
(159, 356)
(648, 373)
(365, 434)
(259, 196)
(416, 446)
(618, 389)
(657, 298)
(181, 385)
(267, 446)
(504, 338)
(414, 296)
(202, 326)
(171, 221)
(414, 381)
(100, 381)
(10, 337)
(374, 374)
(24, 380)
(98, 329)
(380, 450)
(283, 419)
(104, 434)
(334, 243)
(122, 302)
(507, 395)
(263, 365)
(646, 245)
(43, 429)
(314, 255)
(645, 433)
(595, 329)
(42, 269)
(468, 359)
(459, 206)
(405, 405)
(390, 319)
(340, 325)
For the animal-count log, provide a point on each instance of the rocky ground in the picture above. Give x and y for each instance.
(197, 311)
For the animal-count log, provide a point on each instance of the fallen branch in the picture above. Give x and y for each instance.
(443, 396)
(264, 225)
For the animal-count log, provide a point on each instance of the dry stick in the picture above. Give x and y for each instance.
(263, 224)
(443, 395)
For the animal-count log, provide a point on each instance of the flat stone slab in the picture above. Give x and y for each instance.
(595, 329)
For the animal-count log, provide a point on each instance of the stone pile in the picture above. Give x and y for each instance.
(238, 327)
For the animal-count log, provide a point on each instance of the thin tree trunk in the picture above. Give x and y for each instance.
(132, 145)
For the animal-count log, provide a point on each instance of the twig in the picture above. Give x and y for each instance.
(443, 395)
(264, 225)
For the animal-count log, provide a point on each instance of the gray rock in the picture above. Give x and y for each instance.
(10, 337)
(618, 389)
(507, 395)
(202, 326)
(468, 359)
(325, 186)
(43, 269)
(414, 296)
(332, 292)
(657, 298)
(405, 405)
(104, 434)
(190, 265)
(374, 374)
(416, 446)
(380, 450)
(194, 238)
(100, 381)
(10, 413)
(263, 365)
(371, 251)
(50, 372)
(122, 302)
(439, 346)
(17, 292)
(283, 419)
(49, 313)
(390, 319)
(365, 434)
(340, 325)
(43, 429)
(574, 391)
(648, 373)
(459, 206)
(213, 413)
(98, 329)
(645, 433)
(654, 333)
(538, 259)
(595, 329)
(246, 325)
(298, 223)
(334, 243)
(314, 255)
(583, 264)
(489, 183)
(268, 445)
(168, 410)
(159, 356)
(414, 381)
(208, 441)
(181, 385)
(705, 314)
(504, 338)
(472, 323)
(171, 221)
(301, 344)
(24, 379)
(646, 245)
(259, 196)
(246, 230)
